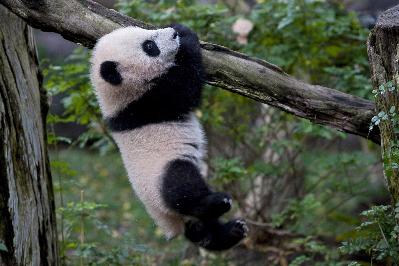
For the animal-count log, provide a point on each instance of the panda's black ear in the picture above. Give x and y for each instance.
(109, 72)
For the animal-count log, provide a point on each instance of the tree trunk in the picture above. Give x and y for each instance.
(27, 217)
(383, 51)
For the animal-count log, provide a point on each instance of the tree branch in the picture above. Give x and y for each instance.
(84, 21)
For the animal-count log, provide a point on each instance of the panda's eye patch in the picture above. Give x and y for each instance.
(151, 48)
(109, 72)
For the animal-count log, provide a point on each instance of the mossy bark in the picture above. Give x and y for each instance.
(27, 216)
(383, 51)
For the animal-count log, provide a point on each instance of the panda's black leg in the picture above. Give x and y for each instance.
(185, 191)
(214, 235)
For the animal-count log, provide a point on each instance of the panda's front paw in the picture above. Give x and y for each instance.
(183, 31)
(189, 45)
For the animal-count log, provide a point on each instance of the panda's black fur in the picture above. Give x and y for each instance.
(171, 99)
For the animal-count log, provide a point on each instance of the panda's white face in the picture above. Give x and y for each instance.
(125, 61)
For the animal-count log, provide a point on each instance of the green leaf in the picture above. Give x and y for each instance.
(285, 22)
(389, 83)
(3, 246)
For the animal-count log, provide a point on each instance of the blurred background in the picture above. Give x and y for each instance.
(311, 195)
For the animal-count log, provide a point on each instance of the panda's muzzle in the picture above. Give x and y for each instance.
(109, 72)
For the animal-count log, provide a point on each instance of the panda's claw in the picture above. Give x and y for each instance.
(228, 201)
(240, 228)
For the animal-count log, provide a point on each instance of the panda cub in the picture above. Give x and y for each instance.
(148, 83)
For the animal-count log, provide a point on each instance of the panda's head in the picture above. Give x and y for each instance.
(127, 60)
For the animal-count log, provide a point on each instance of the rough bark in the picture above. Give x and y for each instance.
(84, 21)
(27, 217)
(383, 51)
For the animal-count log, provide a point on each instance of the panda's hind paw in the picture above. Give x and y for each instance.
(215, 205)
(239, 228)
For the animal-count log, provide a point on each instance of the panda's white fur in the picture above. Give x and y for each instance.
(162, 151)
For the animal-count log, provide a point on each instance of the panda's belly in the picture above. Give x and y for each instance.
(146, 151)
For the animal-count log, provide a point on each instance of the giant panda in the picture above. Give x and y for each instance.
(148, 83)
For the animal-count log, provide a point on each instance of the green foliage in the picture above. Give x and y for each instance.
(99, 220)
(3, 246)
(71, 82)
(298, 210)
(211, 22)
(390, 115)
(300, 260)
(391, 161)
(312, 39)
(315, 40)
(228, 170)
(72, 79)
(388, 121)
(330, 194)
(377, 235)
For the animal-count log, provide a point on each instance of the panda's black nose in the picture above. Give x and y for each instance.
(174, 35)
